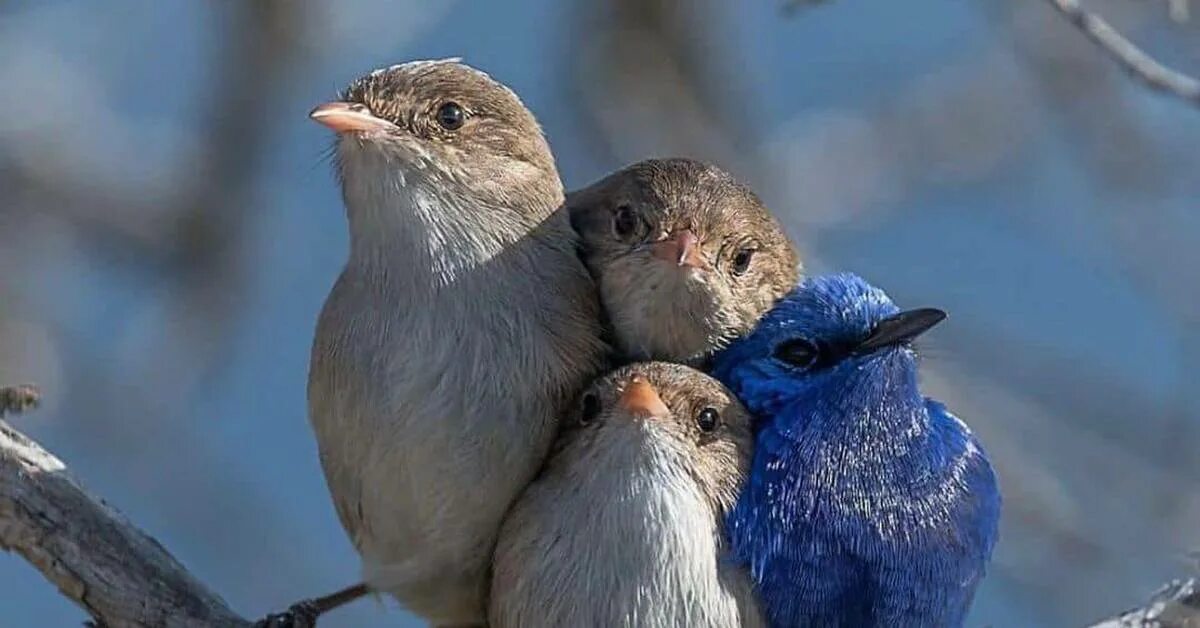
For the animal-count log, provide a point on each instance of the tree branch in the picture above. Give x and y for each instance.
(95, 557)
(1131, 58)
(1176, 605)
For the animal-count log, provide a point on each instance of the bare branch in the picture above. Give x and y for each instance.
(95, 557)
(1176, 605)
(1131, 58)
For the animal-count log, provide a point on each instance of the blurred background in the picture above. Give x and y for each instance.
(169, 228)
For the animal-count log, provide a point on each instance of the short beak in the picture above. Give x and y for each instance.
(900, 328)
(345, 117)
(640, 399)
(681, 248)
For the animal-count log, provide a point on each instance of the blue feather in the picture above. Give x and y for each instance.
(867, 504)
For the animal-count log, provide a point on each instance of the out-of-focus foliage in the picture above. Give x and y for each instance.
(169, 228)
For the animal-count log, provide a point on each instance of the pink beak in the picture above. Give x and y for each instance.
(346, 117)
(640, 399)
(681, 248)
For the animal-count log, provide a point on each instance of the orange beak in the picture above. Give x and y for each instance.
(640, 399)
(346, 117)
(681, 248)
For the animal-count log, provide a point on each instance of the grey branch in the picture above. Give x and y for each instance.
(95, 557)
(1131, 58)
(1176, 605)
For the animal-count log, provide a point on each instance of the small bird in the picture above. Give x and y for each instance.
(624, 527)
(867, 504)
(685, 257)
(460, 330)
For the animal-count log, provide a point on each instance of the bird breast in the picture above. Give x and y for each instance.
(616, 545)
(435, 402)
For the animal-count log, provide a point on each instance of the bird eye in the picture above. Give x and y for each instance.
(708, 419)
(741, 261)
(590, 410)
(797, 352)
(451, 116)
(624, 221)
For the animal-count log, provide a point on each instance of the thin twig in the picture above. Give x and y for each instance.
(1176, 605)
(1131, 58)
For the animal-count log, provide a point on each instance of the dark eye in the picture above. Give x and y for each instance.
(451, 116)
(741, 261)
(797, 352)
(708, 419)
(590, 410)
(624, 221)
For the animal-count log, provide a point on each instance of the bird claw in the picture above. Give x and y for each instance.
(299, 615)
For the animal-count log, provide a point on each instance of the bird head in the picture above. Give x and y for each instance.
(682, 423)
(445, 127)
(686, 258)
(831, 340)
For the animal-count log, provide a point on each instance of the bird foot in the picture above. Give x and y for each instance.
(302, 614)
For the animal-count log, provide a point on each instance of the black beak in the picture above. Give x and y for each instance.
(900, 328)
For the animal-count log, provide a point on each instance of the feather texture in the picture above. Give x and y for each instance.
(867, 503)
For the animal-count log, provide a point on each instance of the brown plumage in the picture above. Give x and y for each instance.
(625, 525)
(686, 258)
(456, 336)
(717, 460)
(500, 145)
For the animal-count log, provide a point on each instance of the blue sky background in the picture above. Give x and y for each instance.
(161, 267)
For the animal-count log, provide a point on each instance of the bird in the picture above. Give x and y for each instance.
(461, 327)
(624, 526)
(686, 258)
(867, 504)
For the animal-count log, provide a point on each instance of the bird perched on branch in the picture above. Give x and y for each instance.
(460, 329)
(867, 503)
(624, 525)
(685, 257)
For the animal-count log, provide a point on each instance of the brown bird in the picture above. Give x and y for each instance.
(625, 525)
(686, 258)
(460, 329)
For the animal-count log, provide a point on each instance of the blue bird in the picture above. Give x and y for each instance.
(867, 503)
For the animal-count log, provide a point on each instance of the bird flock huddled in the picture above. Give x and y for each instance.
(622, 406)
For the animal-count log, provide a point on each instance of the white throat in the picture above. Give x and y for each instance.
(407, 214)
(620, 536)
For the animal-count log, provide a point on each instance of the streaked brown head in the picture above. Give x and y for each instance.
(687, 258)
(658, 413)
(446, 122)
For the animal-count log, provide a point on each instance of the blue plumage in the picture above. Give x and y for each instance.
(867, 504)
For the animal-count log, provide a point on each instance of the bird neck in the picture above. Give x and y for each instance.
(652, 508)
(874, 405)
(629, 517)
(430, 228)
(655, 488)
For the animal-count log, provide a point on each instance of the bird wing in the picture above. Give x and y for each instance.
(816, 564)
(929, 576)
(800, 570)
(955, 559)
(978, 519)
